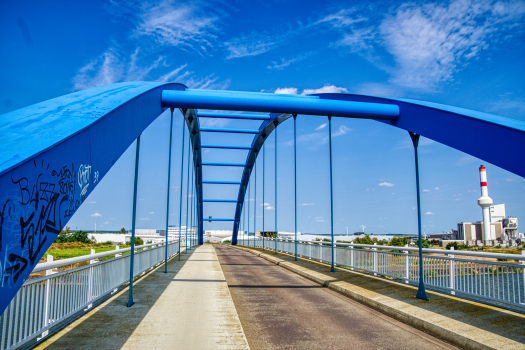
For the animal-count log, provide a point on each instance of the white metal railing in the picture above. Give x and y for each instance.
(44, 302)
(493, 281)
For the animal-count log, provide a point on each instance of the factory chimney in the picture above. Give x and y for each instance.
(485, 202)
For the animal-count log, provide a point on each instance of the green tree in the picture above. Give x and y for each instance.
(138, 241)
(424, 244)
(122, 230)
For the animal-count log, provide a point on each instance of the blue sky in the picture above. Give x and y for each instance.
(463, 53)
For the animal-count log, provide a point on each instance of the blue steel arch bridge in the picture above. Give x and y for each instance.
(55, 153)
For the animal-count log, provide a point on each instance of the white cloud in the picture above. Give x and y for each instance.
(386, 184)
(343, 130)
(429, 42)
(96, 215)
(173, 24)
(286, 91)
(152, 212)
(146, 219)
(429, 213)
(251, 45)
(306, 204)
(286, 62)
(426, 190)
(322, 126)
(107, 222)
(319, 220)
(269, 207)
(436, 188)
(325, 89)
(93, 202)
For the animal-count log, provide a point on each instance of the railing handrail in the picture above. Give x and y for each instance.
(78, 259)
(425, 250)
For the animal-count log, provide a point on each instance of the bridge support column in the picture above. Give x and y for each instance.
(264, 208)
(295, 176)
(187, 197)
(134, 217)
(168, 195)
(181, 179)
(332, 268)
(421, 293)
(276, 235)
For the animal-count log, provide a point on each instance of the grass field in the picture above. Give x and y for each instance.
(61, 251)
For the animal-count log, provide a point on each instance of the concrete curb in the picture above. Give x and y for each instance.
(413, 321)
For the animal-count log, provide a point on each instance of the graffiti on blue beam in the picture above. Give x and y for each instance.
(54, 154)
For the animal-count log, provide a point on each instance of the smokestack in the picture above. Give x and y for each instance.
(485, 202)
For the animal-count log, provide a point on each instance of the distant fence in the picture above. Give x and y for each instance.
(496, 282)
(45, 302)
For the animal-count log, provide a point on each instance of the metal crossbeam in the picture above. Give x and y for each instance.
(220, 200)
(233, 116)
(226, 146)
(225, 164)
(233, 131)
(222, 182)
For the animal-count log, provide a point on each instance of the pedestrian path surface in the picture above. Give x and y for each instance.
(190, 307)
(282, 310)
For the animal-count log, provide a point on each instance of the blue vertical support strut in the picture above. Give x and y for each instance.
(134, 217)
(332, 268)
(191, 206)
(263, 232)
(295, 175)
(276, 189)
(181, 182)
(255, 204)
(249, 198)
(421, 293)
(168, 195)
(187, 197)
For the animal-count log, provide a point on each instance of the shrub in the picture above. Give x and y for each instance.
(364, 240)
(67, 236)
(452, 244)
(138, 241)
(424, 244)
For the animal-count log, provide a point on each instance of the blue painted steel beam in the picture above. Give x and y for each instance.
(215, 219)
(233, 131)
(224, 164)
(222, 182)
(220, 200)
(233, 116)
(261, 103)
(226, 146)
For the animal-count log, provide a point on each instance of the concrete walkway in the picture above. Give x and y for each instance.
(190, 307)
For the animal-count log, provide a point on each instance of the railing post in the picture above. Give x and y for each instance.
(48, 292)
(321, 252)
(375, 260)
(117, 248)
(90, 281)
(523, 275)
(407, 265)
(352, 256)
(452, 273)
(134, 216)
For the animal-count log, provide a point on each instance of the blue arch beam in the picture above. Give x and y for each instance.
(242, 101)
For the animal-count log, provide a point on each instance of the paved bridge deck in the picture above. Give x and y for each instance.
(224, 298)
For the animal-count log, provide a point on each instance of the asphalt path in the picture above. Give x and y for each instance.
(279, 309)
